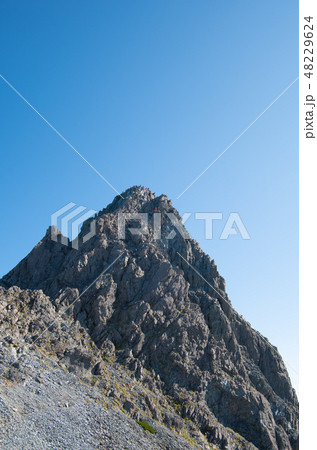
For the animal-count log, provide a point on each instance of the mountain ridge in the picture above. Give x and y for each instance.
(163, 306)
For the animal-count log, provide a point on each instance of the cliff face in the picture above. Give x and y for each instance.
(162, 309)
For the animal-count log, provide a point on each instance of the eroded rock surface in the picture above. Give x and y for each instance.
(170, 327)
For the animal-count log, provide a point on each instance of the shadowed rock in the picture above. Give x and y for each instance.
(155, 313)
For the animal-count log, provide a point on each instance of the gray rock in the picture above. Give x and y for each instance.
(174, 331)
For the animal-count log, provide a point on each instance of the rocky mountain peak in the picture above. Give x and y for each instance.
(132, 199)
(157, 306)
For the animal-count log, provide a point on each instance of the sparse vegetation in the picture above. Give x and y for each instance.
(146, 426)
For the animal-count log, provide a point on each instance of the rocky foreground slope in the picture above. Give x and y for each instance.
(146, 321)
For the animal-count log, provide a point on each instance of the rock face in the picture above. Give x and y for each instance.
(155, 304)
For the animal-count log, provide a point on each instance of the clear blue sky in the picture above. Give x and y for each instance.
(151, 93)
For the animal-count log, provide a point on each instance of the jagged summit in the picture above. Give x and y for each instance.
(161, 306)
(133, 200)
(141, 191)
